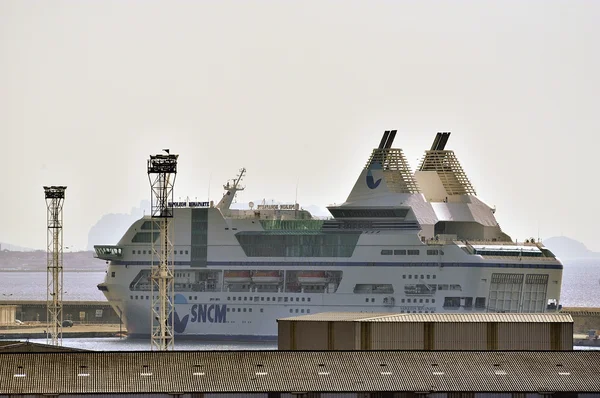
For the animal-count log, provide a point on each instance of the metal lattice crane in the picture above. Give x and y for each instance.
(55, 196)
(162, 170)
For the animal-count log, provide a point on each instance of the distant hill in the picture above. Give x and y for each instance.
(37, 261)
(13, 248)
(567, 248)
(111, 227)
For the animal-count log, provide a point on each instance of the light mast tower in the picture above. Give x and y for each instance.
(55, 197)
(162, 170)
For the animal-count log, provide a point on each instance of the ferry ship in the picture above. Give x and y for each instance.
(402, 242)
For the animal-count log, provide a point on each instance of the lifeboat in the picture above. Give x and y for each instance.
(266, 277)
(312, 277)
(237, 276)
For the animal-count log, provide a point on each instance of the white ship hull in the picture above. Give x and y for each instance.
(393, 246)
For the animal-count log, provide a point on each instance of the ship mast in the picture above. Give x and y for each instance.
(231, 190)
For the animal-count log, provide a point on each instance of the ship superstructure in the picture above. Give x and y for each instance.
(417, 242)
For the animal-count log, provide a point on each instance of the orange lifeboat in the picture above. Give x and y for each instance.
(266, 277)
(237, 276)
(312, 277)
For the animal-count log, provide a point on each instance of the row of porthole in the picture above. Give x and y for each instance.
(417, 277)
(280, 299)
(150, 252)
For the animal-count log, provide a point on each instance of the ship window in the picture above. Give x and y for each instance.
(410, 277)
(268, 298)
(229, 298)
(297, 298)
(308, 311)
(420, 300)
(144, 251)
(480, 302)
(145, 237)
(426, 300)
(133, 252)
(302, 311)
(422, 277)
(190, 297)
(432, 252)
(239, 310)
(262, 299)
(227, 309)
(139, 252)
(308, 299)
(303, 299)
(136, 297)
(416, 276)
(402, 300)
(400, 252)
(403, 276)
(186, 252)
(112, 274)
(249, 309)
(296, 310)
(413, 252)
(372, 300)
(131, 297)
(433, 300)
(291, 311)
(428, 276)
(386, 252)
(195, 297)
(366, 300)
(433, 276)
(408, 300)
(261, 310)
(245, 298)
(285, 299)
(244, 309)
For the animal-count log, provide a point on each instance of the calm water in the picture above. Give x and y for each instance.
(581, 281)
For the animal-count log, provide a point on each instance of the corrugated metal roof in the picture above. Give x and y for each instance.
(335, 316)
(287, 371)
(27, 346)
(473, 317)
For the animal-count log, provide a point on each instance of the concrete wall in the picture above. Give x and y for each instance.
(7, 314)
(100, 312)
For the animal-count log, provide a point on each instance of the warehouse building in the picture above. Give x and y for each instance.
(310, 374)
(385, 331)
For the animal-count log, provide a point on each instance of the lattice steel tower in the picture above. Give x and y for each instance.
(55, 197)
(162, 170)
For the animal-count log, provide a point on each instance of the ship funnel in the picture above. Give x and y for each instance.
(440, 174)
(386, 171)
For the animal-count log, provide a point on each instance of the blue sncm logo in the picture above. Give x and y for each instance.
(205, 313)
(371, 183)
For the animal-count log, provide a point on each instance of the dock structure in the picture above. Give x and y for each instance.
(390, 331)
(287, 374)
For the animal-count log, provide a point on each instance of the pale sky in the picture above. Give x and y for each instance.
(297, 91)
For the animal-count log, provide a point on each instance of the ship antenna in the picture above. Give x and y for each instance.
(209, 180)
(296, 199)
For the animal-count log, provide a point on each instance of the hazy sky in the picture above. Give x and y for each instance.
(297, 91)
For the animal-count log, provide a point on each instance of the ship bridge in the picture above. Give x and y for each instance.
(108, 252)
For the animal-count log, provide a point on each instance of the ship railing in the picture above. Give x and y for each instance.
(519, 258)
(498, 243)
